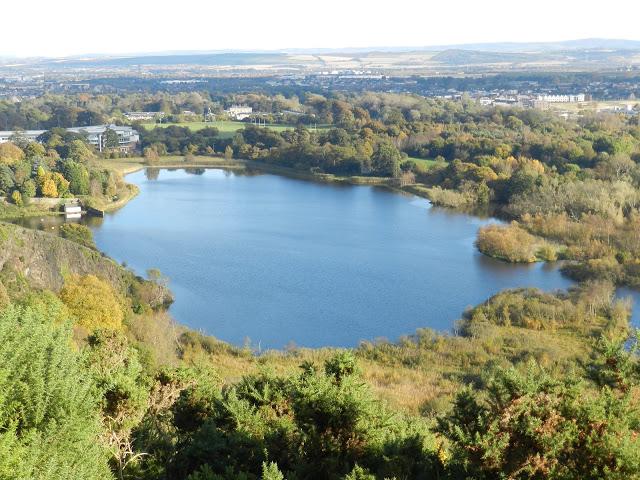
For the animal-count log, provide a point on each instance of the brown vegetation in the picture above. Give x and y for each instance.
(514, 244)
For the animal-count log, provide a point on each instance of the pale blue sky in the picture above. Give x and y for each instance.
(70, 27)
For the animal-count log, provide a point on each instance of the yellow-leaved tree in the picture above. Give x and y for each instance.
(10, 154)
(93, 303)
(62, 184)
(49, 188)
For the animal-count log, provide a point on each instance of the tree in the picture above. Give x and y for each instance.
(16, 198)
(79, 151)
(78, 177)
(34, 150)
(270, 471)
(22, 171)
(7, 180)
(151, 155)
(110, 138)
(123, 390)
(28, 189)
(386, 160)
(228, 152)
(10, 153)
(93, 303)
(49, 188)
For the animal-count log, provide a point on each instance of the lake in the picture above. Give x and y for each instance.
(278, 261)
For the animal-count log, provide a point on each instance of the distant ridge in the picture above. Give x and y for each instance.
(529, 47)
(489, 47)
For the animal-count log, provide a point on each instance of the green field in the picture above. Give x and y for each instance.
(227, 128)
(423, 162)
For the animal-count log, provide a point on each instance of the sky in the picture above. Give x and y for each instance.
(76, 27)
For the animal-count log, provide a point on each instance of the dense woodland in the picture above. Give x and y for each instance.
(96, 381)
(60, 165)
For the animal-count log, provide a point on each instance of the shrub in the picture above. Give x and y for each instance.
(547, 253)
(93, 303)
(16, 198)
(450, 198)
(28, 188)
(534, 426)
(513, 244)
(49, 425)
(78, 233)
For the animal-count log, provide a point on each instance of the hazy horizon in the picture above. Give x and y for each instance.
(329, 50)
(68, 28)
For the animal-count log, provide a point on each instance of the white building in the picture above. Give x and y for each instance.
(133, 116)
(127, 136)
(239, 112)
(30, 135)
(580, 97)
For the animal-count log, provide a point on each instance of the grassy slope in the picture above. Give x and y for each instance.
(421, 373)
(426, 163)
(8, 210)
(33, 259)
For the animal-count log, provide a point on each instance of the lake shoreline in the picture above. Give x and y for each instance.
(389, 223)
(449, 219)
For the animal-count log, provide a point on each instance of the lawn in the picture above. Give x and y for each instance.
(227, 128)
(423, 162)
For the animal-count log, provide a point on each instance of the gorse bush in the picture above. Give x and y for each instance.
(313, 425)
(49, 423)
(532, 425)
(92, 302)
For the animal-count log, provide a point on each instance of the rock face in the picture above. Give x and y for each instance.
(35, 259)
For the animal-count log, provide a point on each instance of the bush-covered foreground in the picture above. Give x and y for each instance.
(533, 385)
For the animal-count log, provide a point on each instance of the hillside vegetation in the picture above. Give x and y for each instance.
(532, 385)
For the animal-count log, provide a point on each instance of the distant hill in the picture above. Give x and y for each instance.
(214, 59)
(464, 57)
(586, 54)
(515, 47)
(578, 57)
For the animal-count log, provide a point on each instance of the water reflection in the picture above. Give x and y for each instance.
(152, 173)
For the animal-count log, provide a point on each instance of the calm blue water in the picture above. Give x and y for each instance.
(278, 260)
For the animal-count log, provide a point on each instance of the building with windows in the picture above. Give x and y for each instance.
(31, 135)
(580, 97)
(239, 112)
(136, 116)
(96, 135)
(128, 138)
